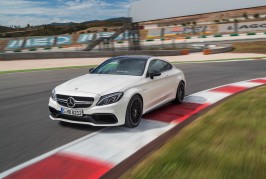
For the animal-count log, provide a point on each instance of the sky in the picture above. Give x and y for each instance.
(177, 8)
(37, 12)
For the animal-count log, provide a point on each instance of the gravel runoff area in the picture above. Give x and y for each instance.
(57, 63)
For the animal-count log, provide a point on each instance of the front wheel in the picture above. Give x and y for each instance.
(180, 93)
(134, 112)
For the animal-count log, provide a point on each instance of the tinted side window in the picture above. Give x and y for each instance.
(159, 65)
(166, 66)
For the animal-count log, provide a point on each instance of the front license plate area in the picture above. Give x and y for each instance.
(72, 112)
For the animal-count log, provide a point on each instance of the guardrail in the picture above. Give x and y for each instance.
(224, 48)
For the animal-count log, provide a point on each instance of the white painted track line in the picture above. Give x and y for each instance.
(116, 144)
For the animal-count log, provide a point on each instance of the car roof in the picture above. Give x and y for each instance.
(134, 57)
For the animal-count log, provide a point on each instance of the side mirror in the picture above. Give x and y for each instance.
(91, 69)
(152, 74)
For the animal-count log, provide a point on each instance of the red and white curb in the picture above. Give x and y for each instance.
(94, 155)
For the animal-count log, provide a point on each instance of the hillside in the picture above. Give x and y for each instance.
(5, 29)
(60, 28)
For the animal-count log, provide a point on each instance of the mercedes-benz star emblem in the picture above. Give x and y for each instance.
(71, 102)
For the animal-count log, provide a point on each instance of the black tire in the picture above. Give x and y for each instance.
(134, 112)
(180, 93)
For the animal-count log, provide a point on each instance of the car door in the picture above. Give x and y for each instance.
(156, 90)
(170, 80)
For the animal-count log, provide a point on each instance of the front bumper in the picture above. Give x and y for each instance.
(108, 115)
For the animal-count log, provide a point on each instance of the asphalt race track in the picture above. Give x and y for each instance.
(27, 132)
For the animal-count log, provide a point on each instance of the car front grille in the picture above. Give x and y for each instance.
(94, 118)
(80, 102)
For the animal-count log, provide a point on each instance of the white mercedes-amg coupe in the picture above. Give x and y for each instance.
(118, 92)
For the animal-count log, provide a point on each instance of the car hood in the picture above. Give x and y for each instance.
(99, 83)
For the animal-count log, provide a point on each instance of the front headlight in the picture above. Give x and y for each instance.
(53, 95)
(110, 98)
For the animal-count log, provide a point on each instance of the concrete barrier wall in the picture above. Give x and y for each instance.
(84, 54)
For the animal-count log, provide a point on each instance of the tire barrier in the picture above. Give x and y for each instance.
(184, 51)
(218, 35)
(252, 33)
(206, 51)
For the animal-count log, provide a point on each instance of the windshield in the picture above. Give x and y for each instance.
(122, 66)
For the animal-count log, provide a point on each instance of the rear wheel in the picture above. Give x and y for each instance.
(134, 112)
(180, 93)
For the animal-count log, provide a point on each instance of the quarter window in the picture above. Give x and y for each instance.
(159, 65)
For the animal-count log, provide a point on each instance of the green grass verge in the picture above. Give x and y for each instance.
(46, 69)
(217, 60)
(227, 142)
